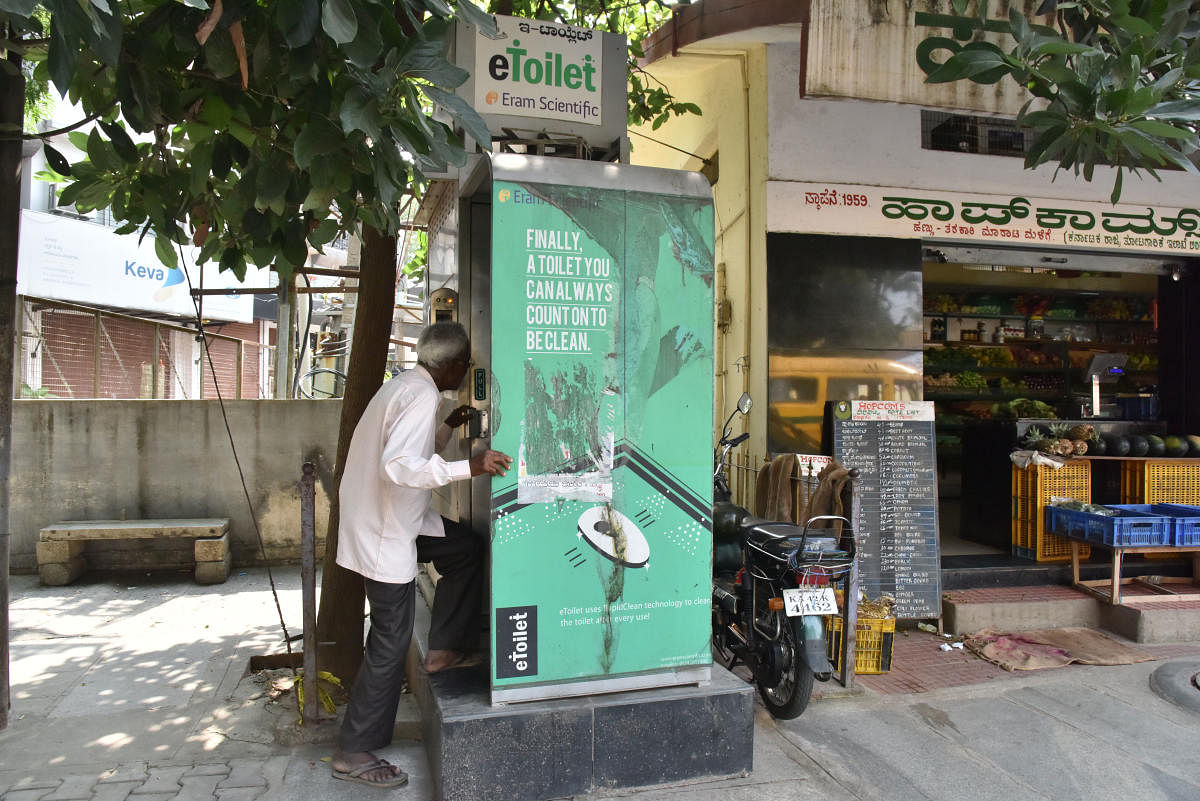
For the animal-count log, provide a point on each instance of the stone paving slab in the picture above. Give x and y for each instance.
(73, 788)
(113, 791)
(161, 780)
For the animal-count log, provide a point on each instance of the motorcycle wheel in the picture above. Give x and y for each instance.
(789, 696)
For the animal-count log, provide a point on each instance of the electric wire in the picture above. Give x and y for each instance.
(197, 303)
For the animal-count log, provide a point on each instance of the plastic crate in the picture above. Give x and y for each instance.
(874, 640)
(1032, 490)
(1134, 526)
(1186, 531)
(1160, 481)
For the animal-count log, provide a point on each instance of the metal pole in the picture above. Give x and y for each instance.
(154, 363)
(96, 356)
(241, 362)
(308, 574)
(284, 339)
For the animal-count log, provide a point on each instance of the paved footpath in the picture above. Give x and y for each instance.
(138, 691)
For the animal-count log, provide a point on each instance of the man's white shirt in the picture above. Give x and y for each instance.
(386, 495)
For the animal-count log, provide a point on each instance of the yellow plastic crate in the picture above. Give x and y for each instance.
(1032, 490)
(1165, 481)
(873, 644)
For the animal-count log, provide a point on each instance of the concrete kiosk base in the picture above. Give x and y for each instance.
(551, 749)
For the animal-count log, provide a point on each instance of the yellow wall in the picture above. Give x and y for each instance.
(729, 86)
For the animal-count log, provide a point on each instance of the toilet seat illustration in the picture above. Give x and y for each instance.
(599, 525)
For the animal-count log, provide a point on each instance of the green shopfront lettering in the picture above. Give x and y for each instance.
(547, 70)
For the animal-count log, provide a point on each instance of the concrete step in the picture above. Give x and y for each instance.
(1055, 606)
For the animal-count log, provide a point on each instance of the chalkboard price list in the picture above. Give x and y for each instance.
(893, 449)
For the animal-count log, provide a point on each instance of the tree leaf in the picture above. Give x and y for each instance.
(1135, 25)
(101, 153)
(56, 160)
(165, 250)
(121, 142)
(1118, 182)
(1058, 47)
(71, 192)
(1020, 25)
(324, 233)
(1163, 129)
(339, 21)
(298, 20)
(319, 137)
(472, 14)
(1176, 110)
(21, 8)
(62, 57)
(463, 113)
(364, 51)
(222, 160)
(360, 112)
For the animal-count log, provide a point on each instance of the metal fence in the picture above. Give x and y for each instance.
(72, 351)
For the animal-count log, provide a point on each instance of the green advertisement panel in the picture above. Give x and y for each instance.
(602, 391)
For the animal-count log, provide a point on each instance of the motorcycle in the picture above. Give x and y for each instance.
(772, 588)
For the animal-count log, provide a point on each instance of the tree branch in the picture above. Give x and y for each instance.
(69, 128)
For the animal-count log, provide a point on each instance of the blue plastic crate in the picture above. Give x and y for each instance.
(1066, 522)
(1186, 519)
(1131, 528)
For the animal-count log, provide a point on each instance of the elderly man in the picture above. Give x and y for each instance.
(387, 527)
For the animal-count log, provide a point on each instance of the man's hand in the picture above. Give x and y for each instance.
(459, 416)
(492, 462)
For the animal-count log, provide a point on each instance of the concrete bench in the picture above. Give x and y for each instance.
(60, 547)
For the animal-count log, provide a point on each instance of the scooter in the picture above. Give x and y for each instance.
(772, 588)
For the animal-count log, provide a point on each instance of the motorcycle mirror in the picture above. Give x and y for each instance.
(745, 403)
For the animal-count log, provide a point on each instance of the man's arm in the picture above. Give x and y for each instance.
(456, 418)
(410, 437)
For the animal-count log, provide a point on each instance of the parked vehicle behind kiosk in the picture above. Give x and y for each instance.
(772, 590)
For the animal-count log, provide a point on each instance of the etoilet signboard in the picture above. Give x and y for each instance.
(540, 69)
(537, 77)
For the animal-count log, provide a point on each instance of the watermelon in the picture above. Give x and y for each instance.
(1157, 447)
(1097, 446)
(1175, 445)
(1138, 445)
(1117, 445)
(1193, 442)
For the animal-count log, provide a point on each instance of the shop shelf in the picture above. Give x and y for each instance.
(1166, 481)
(1134, 526)
(1032, 490)
(874, 639)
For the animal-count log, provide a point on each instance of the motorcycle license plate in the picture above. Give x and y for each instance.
(810, 601)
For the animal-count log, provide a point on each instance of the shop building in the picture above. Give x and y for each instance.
(878, 238)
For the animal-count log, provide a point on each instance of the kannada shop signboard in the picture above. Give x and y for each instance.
(602, 367)
(985, 219)
(536, 68)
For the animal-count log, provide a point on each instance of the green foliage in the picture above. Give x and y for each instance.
(274, 125)
(256, 133)
(41, 392)
(418, 257)
(1115, 82)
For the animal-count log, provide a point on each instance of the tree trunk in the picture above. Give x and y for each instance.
(340, 616)
(12, 115)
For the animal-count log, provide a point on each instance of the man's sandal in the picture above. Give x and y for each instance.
(357, 774)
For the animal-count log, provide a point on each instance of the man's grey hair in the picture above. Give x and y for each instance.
(441, 343)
